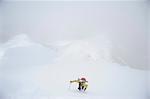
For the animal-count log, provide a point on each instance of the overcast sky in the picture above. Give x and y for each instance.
(124, 23)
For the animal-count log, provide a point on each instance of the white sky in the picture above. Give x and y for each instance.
(124, 23)
(74, 0)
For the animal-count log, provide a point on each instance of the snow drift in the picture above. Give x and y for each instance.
(29, 70)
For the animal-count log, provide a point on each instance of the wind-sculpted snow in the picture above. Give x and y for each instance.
(29, 70)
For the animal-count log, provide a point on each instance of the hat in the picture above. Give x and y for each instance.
(83, 79)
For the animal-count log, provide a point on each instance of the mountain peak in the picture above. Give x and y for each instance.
(20, 40)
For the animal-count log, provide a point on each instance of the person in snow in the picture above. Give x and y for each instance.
(82, 83)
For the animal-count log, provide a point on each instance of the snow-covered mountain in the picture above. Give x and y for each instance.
(29, 70)
(73, 50)
(20, 40)
(21, 50)
(84, 50)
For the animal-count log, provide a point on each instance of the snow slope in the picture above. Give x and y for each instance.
(29, 70)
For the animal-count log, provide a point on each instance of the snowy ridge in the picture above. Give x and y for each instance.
(81, 50)
(27, 71)
(21, 40)
(22, 51)
(84, 50)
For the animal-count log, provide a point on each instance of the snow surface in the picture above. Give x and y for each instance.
(29, 70)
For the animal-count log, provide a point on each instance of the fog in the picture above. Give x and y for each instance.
(149, 46)
(123, 23)
(0, 21)
(120, 29)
